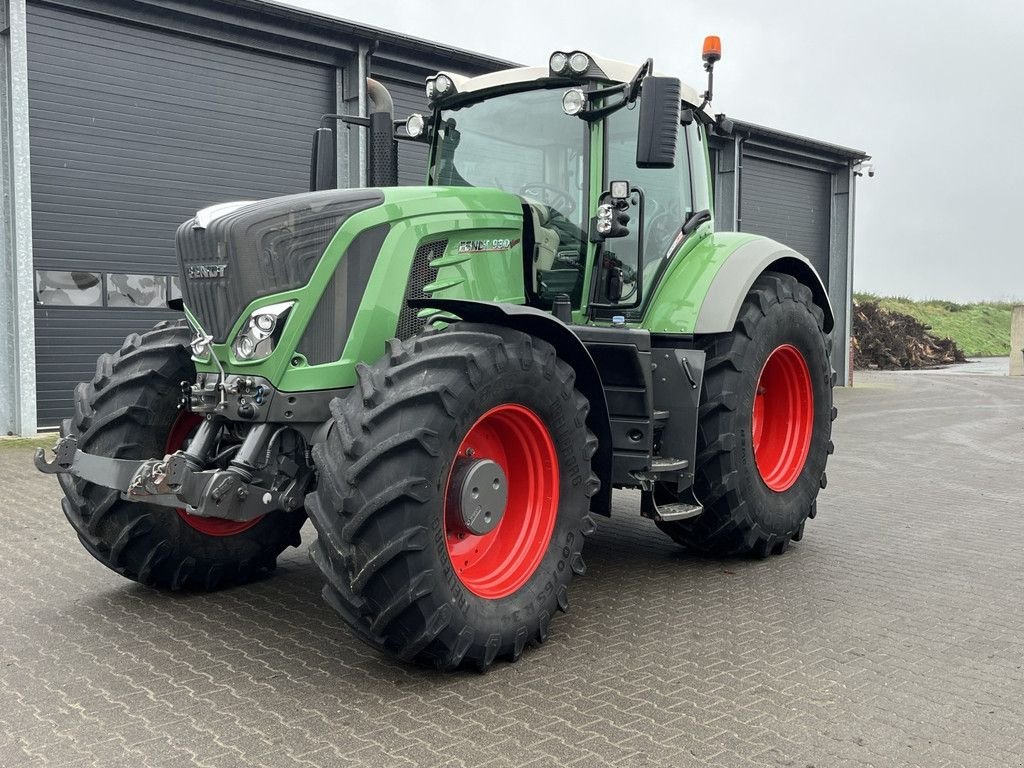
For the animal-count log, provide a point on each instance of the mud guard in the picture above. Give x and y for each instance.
(567, 344)
(732, 282)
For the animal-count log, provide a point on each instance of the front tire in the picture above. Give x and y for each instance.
(413, 575)
(765, 425)
(130, 411)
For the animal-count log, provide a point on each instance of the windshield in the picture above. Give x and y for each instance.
(525, 144)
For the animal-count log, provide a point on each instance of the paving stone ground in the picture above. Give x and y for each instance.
(892, 635)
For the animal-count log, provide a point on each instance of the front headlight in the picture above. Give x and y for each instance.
(261, 331)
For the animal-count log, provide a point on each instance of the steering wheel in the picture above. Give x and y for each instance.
(549, 195)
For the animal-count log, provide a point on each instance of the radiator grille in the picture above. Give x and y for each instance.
(420, 274)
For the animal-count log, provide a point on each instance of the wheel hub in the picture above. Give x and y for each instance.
(501, 501)
(483, 494)
(783, 418)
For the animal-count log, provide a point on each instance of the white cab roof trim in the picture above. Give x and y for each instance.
(617, 71)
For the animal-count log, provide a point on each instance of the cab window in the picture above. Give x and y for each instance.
(668, 197)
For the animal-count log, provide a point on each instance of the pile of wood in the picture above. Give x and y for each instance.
(893, 341)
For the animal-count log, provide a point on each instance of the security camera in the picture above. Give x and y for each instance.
(861, 168)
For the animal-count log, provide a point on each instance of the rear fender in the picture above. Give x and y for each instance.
(567, 344)
(724, 297)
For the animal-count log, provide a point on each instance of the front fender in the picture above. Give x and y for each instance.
(567, 344)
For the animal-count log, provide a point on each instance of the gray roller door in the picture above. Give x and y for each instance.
(412, 157)
(788, 203)
(132, 130)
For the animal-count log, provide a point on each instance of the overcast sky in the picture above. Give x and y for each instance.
(934, 91)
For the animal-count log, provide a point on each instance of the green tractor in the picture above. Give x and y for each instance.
(449, 380)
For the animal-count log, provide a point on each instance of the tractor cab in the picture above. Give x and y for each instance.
(558, 138)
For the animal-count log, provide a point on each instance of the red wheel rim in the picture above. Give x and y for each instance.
(783, 418)
(181, 431)
(496, 564)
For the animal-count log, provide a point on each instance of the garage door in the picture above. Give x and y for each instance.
(132, 130)
(790, 204)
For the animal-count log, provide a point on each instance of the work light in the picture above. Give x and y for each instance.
(573, 101)
(443, 84)
(415, 125)
(579, 63)
(558, 62)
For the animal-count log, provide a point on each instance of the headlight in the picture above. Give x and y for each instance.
(573, 101)
(604, 219)
(261, 331)
(579, 63)
(415, 125)
(558, 62)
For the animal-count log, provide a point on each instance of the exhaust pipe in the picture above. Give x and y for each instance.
(382, 159)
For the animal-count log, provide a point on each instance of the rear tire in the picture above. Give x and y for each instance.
(128, 411)
(387, 548)
(756, 503)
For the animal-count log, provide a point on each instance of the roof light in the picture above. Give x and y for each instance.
(573, 101)
(443, 84)
(558, 62)
(579, 63)
(431, 88)
(712, 48)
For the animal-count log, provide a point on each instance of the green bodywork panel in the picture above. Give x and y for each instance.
(677, 299)
(416, 215)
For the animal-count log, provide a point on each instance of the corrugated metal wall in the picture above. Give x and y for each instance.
(788, 203)
(132, 130)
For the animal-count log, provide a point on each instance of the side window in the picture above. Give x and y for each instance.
(697, 139)
(667, 193)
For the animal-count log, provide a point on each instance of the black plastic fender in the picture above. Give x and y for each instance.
(567, 344)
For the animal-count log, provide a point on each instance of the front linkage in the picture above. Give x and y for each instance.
(247, 489)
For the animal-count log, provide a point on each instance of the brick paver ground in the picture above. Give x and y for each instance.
(892, 635)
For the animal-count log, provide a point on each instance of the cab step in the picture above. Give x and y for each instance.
(662, 464)
(678, 509)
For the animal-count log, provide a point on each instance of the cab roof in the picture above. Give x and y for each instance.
(608, 70)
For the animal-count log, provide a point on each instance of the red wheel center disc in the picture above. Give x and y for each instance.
(783, 418)
(181, 432)
(497, 563)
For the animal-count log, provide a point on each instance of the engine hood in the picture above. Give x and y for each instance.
(233, 253)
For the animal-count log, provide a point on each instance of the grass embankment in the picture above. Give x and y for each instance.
(980, 330)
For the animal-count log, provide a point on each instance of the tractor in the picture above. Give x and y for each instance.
(450, 380)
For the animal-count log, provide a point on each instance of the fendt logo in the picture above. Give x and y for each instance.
(206, 271)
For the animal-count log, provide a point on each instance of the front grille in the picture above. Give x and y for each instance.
(329, 327)
(259, 249)
(420, 274)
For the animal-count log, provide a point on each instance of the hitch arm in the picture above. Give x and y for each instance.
(100, 470)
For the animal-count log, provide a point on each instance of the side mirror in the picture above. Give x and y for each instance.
(658, 133)
(323, 162)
